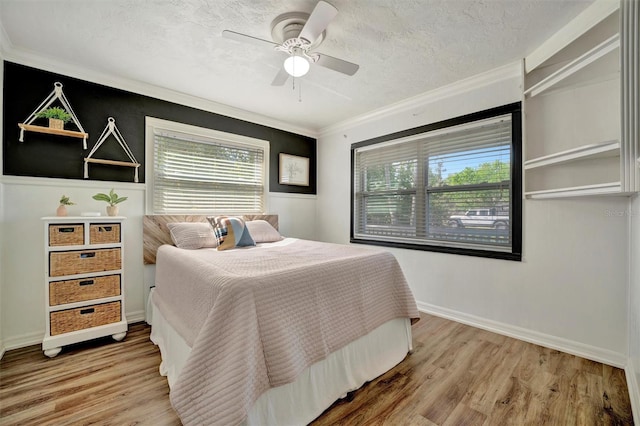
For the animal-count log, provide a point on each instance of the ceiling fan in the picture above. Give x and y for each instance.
(297, 34)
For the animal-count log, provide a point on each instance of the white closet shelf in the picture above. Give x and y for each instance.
(50, 131)
(574, 66)
(577, 191)
(597, 150)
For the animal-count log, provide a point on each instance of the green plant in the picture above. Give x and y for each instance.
(64, 200)
(112, 198)
(55, 112)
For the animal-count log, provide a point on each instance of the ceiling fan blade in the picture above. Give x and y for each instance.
(248, 39)
(281, 78)
(322, 14)
(336, 64)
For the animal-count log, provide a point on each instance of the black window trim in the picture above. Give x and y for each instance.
(515, 109)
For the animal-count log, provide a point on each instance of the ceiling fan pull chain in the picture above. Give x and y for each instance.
(293, 87)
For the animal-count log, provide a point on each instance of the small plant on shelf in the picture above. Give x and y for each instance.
(111, 198)
(57, 117)
(62, 208)
(65, 201)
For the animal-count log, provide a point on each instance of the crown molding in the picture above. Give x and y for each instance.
(24, 57)
(511, 70)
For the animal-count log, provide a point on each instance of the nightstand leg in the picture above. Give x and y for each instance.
(119, 336)
(52, 352)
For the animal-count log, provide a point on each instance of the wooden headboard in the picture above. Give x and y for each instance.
(155, 232)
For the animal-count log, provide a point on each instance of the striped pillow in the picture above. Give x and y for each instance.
(230, 232)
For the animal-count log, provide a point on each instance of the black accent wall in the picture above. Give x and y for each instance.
(45, 155)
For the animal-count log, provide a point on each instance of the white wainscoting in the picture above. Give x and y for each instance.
(25, 200)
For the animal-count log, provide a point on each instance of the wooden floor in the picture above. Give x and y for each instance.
(457, 375)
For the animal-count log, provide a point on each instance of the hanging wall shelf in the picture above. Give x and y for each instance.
(57, 94)
(51, 131)
(111, 130)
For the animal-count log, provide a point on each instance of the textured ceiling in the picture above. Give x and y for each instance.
(404, 47)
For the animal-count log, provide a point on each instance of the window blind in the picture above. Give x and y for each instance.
(447, 187)
(193, 174)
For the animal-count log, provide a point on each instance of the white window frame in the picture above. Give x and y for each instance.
(154, 124)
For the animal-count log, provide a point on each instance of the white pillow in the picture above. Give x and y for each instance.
(262, 231)
(192, 235)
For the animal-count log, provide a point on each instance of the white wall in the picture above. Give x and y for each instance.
(25, 201)
(633, 365)
(569, 291)
(297, 214)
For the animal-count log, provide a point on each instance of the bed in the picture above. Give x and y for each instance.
(272, 333)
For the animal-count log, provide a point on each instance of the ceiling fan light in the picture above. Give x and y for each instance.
(296, 66)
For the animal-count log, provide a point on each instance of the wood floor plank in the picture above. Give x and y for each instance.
(463, 416)
(453, 388)
(585, 397)
(98, 382)
(493, 377)
(617, 405)
(456, 375)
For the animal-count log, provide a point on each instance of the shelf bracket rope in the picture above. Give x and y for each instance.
(57, 94)
(111, 130)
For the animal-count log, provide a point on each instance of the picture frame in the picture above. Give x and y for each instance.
(293, 170)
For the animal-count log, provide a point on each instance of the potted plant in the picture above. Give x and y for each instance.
(111, 198)
(57, 117)
(62, 208)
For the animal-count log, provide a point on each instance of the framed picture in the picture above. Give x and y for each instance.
(294, 170)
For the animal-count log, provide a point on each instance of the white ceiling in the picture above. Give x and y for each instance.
(404, 47)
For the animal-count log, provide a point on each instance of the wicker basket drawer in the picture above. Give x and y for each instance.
(61, 292)
(83, 261)
(66, 235)
(104, 233)
(86, 317)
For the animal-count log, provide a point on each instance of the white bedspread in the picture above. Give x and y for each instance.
(257, 317)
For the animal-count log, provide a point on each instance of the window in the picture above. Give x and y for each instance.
(452, 186)
(198, 170)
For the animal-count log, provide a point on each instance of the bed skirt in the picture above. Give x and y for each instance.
(318, 387)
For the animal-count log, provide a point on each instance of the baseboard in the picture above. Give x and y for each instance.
(634, 391)
(24, 341)
(137, 316)
(2, 350)
(553, 342)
